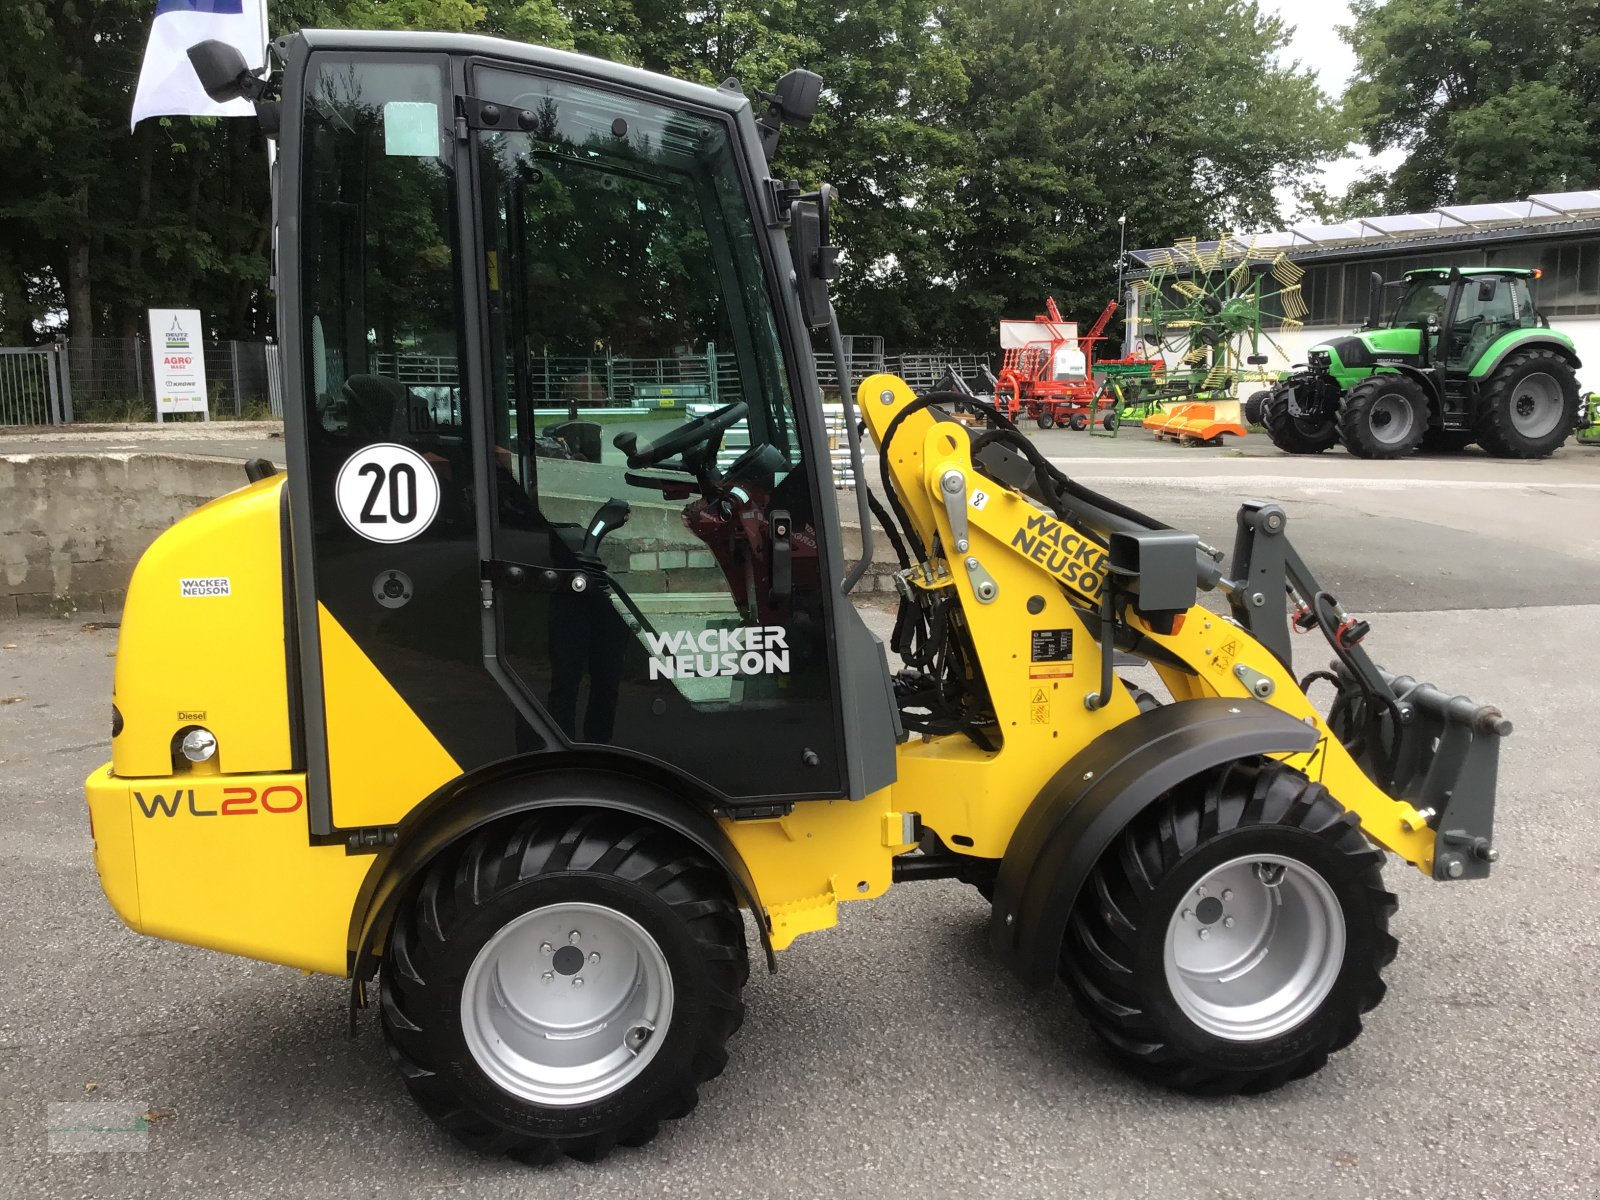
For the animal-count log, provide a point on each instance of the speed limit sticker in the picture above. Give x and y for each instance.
(387, 493)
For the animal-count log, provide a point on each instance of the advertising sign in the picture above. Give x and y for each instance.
(177, 356)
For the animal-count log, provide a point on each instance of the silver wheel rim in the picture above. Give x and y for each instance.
(1391, 419)
(567, 1004)
(1254, 947)
(1536, 405)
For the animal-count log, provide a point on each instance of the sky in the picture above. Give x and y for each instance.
(1315, 44)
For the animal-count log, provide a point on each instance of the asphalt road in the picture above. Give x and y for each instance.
(891, 1057)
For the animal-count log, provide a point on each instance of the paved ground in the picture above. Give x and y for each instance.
(890, 1057)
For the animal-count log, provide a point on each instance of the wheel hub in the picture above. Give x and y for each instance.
(1254, 947)
(566, 1004)
(1536, 405)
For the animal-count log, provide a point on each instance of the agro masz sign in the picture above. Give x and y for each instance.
(177, 354)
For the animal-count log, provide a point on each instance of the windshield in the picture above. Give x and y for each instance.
(1489, 300)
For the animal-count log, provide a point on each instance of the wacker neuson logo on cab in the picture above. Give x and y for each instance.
(747, 650)
(218, 585)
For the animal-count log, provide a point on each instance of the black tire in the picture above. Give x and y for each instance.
(1114, 956)
(1502, 423)
(1253, 405)
(1078, 421)
(1297, 435)
(1383, 416)
(1446, 441)
(1046, 419)
(1110, 422)
(651, 876)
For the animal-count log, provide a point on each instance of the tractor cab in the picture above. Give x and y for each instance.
(1461, 312)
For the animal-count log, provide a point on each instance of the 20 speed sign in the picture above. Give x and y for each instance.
(387, 493)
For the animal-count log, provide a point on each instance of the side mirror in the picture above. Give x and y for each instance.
(219, 66)
(816, 260)
(796, 96)
(1374, 300)
(1485, 291)
(793, 103)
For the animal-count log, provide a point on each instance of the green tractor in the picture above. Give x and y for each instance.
(1466, 358)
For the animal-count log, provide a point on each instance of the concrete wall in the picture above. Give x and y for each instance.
(73, 525)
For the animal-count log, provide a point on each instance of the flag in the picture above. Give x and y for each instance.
(168, 85)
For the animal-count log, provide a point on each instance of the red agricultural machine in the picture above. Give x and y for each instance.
(1045, 371)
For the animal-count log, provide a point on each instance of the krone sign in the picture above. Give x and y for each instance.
(177, 356)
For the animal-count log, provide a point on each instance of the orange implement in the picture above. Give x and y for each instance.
(1192, 423)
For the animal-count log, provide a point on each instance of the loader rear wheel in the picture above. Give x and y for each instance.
(1297, 435)
(1234, 933)
(1078, 421)
(563, 985)
(1529, 406)
(1383, 416)
(1046, 419)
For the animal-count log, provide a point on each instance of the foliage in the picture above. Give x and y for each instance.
(983, 149)
(1490, 99)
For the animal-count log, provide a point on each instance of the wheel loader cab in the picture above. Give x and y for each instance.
(484, 249)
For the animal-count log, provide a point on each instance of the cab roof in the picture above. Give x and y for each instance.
(1517, 272)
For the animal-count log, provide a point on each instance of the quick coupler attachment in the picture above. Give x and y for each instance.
(1440, 752)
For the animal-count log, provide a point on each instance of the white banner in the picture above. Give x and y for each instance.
(177, 356)
(168, 85)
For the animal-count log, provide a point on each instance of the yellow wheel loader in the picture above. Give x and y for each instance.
(534, 720)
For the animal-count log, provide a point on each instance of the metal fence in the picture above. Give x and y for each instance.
(110, 380)
(34, 387)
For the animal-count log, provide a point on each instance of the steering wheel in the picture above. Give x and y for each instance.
(704, 430)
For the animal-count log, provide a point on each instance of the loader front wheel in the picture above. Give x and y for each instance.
(563, 985)
(1234, 934)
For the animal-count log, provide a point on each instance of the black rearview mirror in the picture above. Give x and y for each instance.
(796, 96)
(1485, 291)
(220, 67)
(816, 260)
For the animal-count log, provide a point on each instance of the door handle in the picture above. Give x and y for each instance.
(781, 530)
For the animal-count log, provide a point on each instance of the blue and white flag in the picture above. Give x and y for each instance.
(168, 85)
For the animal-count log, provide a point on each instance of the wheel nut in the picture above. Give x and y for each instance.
(548, 976)
(1205, 934)
(1227, 922)
(577, 981)
(573, 937)
(1188, 913)
(1227, 893)
(594, 957)
(547, 949)
(1200, 891)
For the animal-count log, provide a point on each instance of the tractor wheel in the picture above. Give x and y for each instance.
(1078, 421)
(1383, 416)
(1529, 406)
(1297, 435)
(564, 985)
(1253, 405)
(1110, 422)
(1232, 936)
(1446, 441)
(1046, 419)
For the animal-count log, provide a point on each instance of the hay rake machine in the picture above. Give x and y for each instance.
(1207, 309)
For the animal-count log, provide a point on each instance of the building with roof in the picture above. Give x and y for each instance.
(1557, 233)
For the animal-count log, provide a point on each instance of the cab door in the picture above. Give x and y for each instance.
(652, 561)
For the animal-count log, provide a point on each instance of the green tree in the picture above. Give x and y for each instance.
(1489, 99)
(1180, 116)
